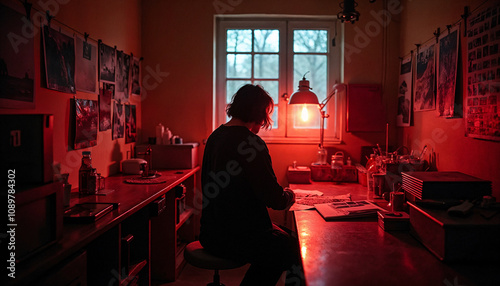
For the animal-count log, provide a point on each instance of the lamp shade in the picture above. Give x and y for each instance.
(304, 95)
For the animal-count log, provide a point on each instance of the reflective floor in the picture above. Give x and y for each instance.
(192, 276)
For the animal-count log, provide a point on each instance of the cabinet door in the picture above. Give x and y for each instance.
(71, 273)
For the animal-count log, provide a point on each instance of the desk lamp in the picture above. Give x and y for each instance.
(305, 96)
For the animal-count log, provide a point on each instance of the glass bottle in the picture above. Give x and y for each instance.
(83, 174)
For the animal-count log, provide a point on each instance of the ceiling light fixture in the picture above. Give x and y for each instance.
(348, 13)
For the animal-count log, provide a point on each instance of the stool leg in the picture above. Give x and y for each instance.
(216, 280)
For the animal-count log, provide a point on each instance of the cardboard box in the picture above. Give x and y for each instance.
(299, 175)
(321, 173)
(471, 238)
(350, 174)
(174, 156)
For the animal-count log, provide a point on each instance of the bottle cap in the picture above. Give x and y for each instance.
(86, 153)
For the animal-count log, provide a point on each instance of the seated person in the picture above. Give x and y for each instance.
(239, 184)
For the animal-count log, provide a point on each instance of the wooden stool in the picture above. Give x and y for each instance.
(199, 257)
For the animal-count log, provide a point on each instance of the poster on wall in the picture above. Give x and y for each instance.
(135, 75)
(481, 101)
(59, 53)
(447, 71)
(423, 97)
(86, 123)
(118, 121)
(17, 62)
(107, 60)
(130, 124)
(404, 92)
(105, 96)
(122, 76)
(86, 65)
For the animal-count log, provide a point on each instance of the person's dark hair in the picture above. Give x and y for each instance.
(251, 103)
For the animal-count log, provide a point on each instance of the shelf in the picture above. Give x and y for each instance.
(186, 214)
(134, 271)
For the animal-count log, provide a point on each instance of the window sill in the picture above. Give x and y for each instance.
(300, 141)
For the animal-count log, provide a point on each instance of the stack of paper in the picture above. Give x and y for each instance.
(337, 210)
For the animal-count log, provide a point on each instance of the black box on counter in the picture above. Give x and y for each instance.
(393, 220)
(470, 238)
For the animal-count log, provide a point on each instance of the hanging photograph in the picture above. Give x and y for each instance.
(86, 65)
(447, 71)
(404, 92)
(423, 97)
(59, 51)
(17, 62)
(482, 98)
(105, 96)
(107, 60)
(130, 124)
(122, 76)
(118, 121)
(86, 123)
(135, 75)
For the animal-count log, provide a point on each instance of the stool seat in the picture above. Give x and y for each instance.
(197, 256)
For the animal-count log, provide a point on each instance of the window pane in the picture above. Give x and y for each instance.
(310, 41)
(266, 41)
(274, 117)
(271, 86)
(239, 66)
(239, 41)
(316, 65)
(266, 66)
(232, 87)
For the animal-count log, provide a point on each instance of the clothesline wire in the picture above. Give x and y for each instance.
(446, 28)
(50, 18)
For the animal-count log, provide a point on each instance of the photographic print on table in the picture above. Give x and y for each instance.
(404, 92)
(107, 60)
(86, 123)
(122, 76)
(130, 124)
(424, 96)
(86, 65)
(105, 96)
(118, 121)
(482, 99)
(447, 71)
(135, 75)
(17, 62)
(59, 52)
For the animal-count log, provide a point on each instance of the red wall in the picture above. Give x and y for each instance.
(115, 22)
(445, 137)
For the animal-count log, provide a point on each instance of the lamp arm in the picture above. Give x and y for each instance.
(325, 101)
(337, 87)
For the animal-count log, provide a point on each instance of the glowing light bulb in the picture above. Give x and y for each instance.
(305, 114)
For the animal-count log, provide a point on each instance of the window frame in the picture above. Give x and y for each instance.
(286, 25)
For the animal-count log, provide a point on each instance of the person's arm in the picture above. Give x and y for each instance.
(264, 182)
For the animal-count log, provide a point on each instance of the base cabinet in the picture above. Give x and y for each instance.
(72, 272)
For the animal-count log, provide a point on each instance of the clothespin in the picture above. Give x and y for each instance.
(141, 59)
(464, 16)
(448, 27)
(418, 47)
(48, 17)
(436, 34)
(27, 7)
(86, 36)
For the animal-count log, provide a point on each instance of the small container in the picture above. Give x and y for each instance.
(397, 201)
(84, 173)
